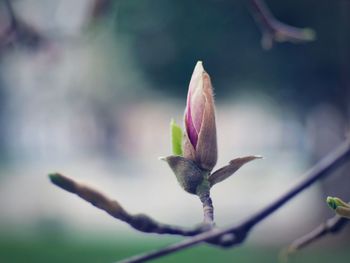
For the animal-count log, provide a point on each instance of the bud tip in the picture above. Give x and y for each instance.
(198, 69)
(54, 177)
(331, 202)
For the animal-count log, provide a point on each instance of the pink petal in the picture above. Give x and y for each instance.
(191, 130)
(197, 108)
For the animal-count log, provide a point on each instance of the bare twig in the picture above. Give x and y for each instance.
(235, 235)
(140, 222)
(208, 209)
(11, 12)
(331, 226)
(20, 32)
(276, 31)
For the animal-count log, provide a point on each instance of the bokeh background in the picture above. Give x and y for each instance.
(88, 88)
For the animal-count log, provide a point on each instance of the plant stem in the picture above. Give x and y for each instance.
(331, 226)
(208, 209)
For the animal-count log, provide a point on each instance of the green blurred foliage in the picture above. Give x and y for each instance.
(98, 250)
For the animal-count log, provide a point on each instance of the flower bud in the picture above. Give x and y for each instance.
(200, 130)
(341, 208)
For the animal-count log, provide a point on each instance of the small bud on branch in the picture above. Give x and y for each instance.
(339, 206)
(193, 163)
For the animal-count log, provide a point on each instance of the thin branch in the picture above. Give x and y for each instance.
(20, 32)
(208, 209)
(140, 222)
(235, 235)
(12, 15)
(331, 226)
(276, 31)
(8, 34)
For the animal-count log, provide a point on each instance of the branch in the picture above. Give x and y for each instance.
(235, 235)
(276, 31)
(11, 12)
(7, 36)
(208, 209)
(331, 226)
(20, 32)
(140, 222)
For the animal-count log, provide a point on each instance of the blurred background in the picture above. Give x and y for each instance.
(88, 88)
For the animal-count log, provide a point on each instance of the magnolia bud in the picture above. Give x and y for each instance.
(193, 162)
(200, 130)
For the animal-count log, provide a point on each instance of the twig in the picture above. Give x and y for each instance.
(331, 226)
(11, 12)
(140, 222)
(20, 32)
(276, 31)
(7, 36)
(236, 234)
(208, 209)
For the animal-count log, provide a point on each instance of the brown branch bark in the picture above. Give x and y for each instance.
(20, 32)
(276, 31)
(140, 222)
(332, 226)
(208, 209)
